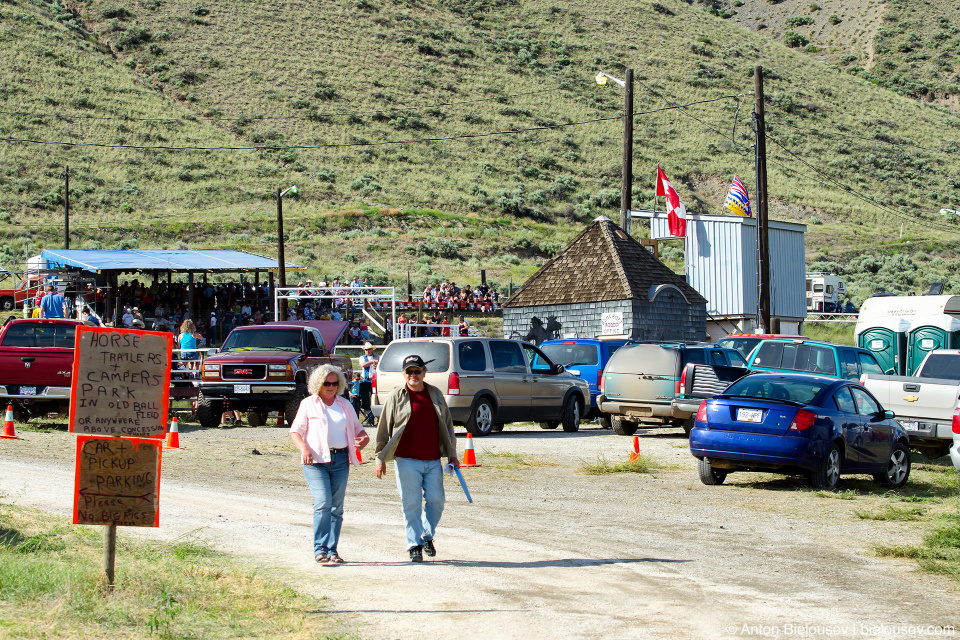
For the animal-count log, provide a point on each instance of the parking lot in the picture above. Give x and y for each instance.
(547, 549)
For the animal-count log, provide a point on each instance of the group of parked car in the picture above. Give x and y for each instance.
(749, 403)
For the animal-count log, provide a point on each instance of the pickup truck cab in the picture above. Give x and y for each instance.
(263, 368)
(36, 364)
(653, 383)
(926, 404)
(585, 358)
(811, 356)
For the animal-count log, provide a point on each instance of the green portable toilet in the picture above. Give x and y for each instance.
(886, 339)
(928, 334)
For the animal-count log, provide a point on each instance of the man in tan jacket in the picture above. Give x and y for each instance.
(415, 430)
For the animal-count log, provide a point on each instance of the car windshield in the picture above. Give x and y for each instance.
(941, 365)
(784, 390)
(743, 345)
(437, 352)
(263, 340)
(571, 353)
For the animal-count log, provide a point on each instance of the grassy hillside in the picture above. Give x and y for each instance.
(438, 137)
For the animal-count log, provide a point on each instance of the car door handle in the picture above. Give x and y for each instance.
(910, 386)
(27, 359)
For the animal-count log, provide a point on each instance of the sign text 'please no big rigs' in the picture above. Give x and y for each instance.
(117, 482)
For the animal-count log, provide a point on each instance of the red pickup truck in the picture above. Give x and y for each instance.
(265, 368)
(13, 298)
(36, 361)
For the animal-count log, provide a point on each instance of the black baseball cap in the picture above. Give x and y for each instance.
(414, 361)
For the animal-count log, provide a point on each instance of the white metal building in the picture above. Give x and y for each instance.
(722, 265)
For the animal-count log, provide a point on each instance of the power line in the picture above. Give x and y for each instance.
(879, 140)
(857, 194)
(465, 136)
(304, 116)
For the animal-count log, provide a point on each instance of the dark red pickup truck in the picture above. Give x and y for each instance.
(265, 368)
(36, 361)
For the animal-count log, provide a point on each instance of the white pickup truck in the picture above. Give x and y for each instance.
(926, 404)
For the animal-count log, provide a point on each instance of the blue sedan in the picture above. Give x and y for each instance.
(797, 423)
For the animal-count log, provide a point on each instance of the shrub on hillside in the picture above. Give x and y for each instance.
(794, 39)
(132, 37)
(114, 11)
(799, 21)
(365, 184)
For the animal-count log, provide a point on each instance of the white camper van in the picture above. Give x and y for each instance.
(825, 292)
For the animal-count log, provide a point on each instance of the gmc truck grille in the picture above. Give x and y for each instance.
(244, 372)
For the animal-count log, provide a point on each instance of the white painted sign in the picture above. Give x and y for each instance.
(611, 323)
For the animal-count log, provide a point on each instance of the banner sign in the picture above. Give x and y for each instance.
(121, 382)
(117, 482)
(611, 323)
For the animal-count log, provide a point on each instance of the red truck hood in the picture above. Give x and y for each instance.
(246, 357)
(331, 330)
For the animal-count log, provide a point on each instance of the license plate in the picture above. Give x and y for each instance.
(749, 415)
(241, 388)
(28, 391)
(911, 426)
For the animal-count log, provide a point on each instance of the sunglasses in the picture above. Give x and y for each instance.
(413, 372)
(331, 384)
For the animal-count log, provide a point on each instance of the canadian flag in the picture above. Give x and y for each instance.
(676, 212)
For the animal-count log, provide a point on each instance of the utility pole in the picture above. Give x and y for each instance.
(627, 184)
(282, 271)
(66, 211)
(763, 239)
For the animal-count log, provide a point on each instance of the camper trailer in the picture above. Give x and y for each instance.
(825, 292)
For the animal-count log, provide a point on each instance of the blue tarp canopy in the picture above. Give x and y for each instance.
(135, 260)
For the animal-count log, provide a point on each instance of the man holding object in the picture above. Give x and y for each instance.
(415, 430)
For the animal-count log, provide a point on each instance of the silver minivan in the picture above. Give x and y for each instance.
(488, 382)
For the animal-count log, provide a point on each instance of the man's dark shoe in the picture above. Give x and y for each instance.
(416, 554)
(428, 548)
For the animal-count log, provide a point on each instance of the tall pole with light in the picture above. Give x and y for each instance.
(281, 263)
(627, 179)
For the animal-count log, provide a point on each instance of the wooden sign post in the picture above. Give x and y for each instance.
(118, 407)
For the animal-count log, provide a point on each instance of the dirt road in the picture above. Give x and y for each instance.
(544, 551)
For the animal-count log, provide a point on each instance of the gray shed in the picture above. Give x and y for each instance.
(605, 284)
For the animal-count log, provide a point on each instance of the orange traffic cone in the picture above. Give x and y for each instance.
(173, 436)
(8, 430)
(469, 456)
(636, 449)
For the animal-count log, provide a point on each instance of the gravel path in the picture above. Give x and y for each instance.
(545, 550)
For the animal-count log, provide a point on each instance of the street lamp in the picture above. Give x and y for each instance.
(280, 260)
(627, 180)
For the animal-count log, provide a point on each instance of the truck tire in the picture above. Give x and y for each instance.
(481, 418)
(708, 474)
(551, 424)
(687, 425)
(570, 418)
(604, 421)
(208, 412)
(293, 403)
(6, 303)
(622, 427)
(256, 418)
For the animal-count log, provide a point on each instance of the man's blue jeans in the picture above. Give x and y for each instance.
(421, 493)
(328, 484)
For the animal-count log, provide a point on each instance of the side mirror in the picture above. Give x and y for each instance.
(213, 352)
(889, 415)
(317, 352)
(559, 369)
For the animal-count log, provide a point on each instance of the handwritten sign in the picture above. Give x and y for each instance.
(117, 482)
(611, 323)
(121, 382)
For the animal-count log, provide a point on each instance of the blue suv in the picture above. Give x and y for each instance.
(586, 358)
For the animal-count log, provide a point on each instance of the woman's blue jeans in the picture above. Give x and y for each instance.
(328, 484)
(421, 493)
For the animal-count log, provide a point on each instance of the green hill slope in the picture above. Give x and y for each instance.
(441, 137)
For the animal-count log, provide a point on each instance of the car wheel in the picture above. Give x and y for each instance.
(709, 474)
(898, 468)
(256, 418)
(622, 427)
(208, 412)
(293, 403)
(481, 420)
(498, 427)
(571, 415)
(827, 474)
(604, 422)
(6, 303)
(552, 424)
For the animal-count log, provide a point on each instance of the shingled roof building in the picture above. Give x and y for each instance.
(604, 283)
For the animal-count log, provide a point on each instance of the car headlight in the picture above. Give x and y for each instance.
(277, 367)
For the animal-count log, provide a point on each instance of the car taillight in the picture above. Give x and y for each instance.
(956, 420)
(676, 386)
(453, 384)
(683, 381)
(702, 412)
(803, 420)
(373, 381)
(600, 379)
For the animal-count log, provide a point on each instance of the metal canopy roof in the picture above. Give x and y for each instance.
(135, 260)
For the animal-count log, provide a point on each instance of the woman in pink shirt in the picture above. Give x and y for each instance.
(328, 433)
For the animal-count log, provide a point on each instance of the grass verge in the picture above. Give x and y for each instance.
(515, 460)
(51, 587)
(893, 512)
(642, 464)
(939, 553)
